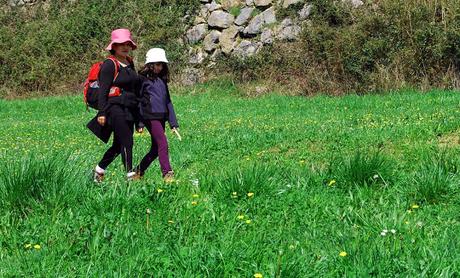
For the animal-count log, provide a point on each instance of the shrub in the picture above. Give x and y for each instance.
(381, 46)
(51, 45)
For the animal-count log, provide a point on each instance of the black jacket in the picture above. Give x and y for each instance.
(127, 80)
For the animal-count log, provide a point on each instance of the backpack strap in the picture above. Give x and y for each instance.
(117, 66)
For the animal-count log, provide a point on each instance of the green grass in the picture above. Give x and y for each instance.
(285, 150)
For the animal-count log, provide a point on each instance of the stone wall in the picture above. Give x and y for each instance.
(14, 3)
(241, 28)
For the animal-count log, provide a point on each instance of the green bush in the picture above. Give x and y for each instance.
(52, 45)
(377, 47)
(408, 42)
(380, 46)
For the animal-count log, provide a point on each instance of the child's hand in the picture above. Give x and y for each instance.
(140, 130)
(176, 132)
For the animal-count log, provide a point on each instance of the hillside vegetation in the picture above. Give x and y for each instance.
(382, 45)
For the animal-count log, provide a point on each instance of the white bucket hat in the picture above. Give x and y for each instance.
(156, 55)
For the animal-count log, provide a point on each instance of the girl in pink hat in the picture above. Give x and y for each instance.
(119, 112)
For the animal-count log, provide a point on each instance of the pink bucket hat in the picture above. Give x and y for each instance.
(121, 36)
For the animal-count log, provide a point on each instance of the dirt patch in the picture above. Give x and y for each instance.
(449, 140)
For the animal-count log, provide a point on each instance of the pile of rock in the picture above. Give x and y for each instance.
(242, 27)
(14, 3)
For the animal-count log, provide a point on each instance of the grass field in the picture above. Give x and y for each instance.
(353, 186)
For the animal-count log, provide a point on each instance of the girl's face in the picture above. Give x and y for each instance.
(157, 67)
(122, 49)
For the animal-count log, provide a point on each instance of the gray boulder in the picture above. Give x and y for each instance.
(199, 20)
(305, 12)
(213, 6)
(197, 56)
(244, 16)
(354, 3)
(267, 36)
(204, 12)
(227, 39)
(247, 49)
(286, 22)
(196, 33)
(269, 15)
(256, 24)
(211, 41)
(288, 31)
(220, 19)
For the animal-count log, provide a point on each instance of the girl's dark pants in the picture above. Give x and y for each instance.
(122, 142)
(158, 149)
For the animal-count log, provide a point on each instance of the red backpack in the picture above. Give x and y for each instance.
(91, 85)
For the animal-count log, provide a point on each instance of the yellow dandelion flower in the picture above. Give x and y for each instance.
(248, 221)
(415, 206)
(195, 196)
(28, 246)
(194, 203)
(240, 217)
(332, 182)
(37, 247)
(159, 190)
(343, 254)
(250, 194)
(258, 275)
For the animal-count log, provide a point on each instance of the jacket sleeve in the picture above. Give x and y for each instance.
(171, 113)
(140, 94)
(106, 75)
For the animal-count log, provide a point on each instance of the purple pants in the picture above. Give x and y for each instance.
(158, 149)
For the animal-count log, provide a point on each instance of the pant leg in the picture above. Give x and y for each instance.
(110, 154)
(151, 155)
(122, 143)
(158, 134)
(123, 133)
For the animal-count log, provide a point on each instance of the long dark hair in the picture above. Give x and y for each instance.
(148, 71)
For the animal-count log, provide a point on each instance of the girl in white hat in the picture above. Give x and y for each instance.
(156, 110)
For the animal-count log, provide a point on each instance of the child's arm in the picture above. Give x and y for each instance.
(172, 119)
